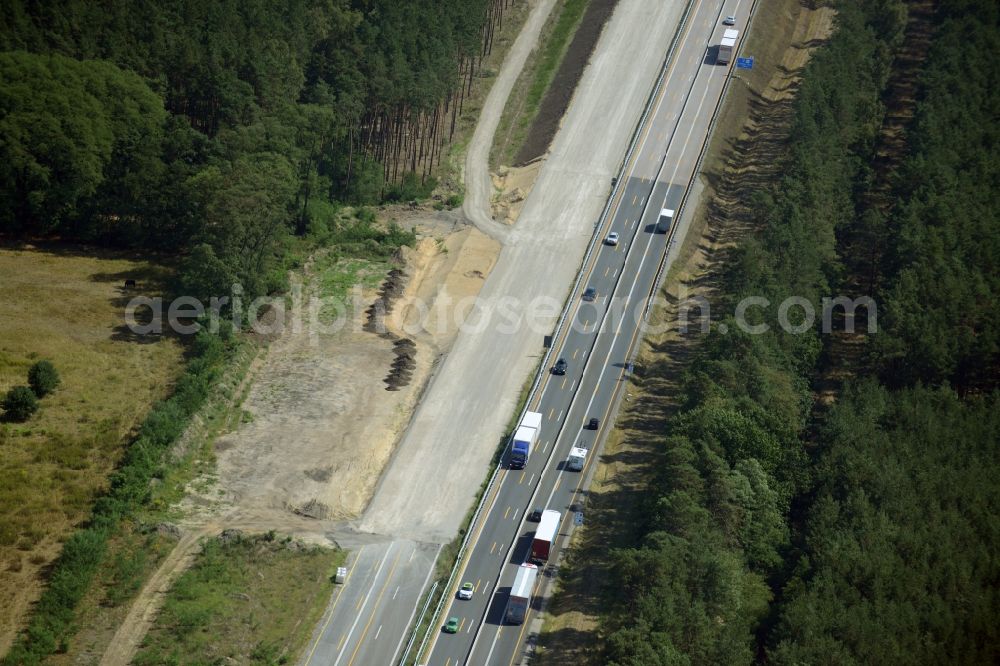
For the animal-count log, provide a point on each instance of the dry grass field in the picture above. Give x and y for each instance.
(66, 304)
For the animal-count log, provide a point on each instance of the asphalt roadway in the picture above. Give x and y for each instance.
(596, 347)
(375, 605)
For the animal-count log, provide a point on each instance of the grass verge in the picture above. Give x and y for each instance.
(534, 81)
(247, 600)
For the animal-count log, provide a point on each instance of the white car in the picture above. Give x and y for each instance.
(729, 20)
(612, 238)
(465, 592)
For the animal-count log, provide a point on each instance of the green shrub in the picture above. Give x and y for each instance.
(43, 378)
(411, 188)
(129, 491)
(19, 404)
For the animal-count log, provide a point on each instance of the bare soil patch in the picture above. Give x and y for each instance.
(320, 423)
(512, 185)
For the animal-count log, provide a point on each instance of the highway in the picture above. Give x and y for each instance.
(596, 346)
(379, 597)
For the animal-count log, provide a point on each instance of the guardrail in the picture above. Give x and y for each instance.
(661, 270)
(423, 611)
(597, 236)
(594, 241)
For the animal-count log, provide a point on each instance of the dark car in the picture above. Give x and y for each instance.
(535, 515)
(593, 424)
(590, 294)
(560, 367)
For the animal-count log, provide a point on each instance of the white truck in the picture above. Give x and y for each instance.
(665, 220)
(727, 46)
(577, 457)
(525, 438)
(520, 593)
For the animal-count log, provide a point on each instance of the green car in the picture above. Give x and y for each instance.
(451, 626)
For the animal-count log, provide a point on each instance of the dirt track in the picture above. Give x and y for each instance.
(146, 605)
(479, 188)
(320, 424)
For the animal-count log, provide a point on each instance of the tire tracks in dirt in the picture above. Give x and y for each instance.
(125, 644)
(478, 184)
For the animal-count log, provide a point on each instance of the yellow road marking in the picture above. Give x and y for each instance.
(370, 619)
(614, 208)
(334, 607)
(524, 625)
(506, 513)
(538, 398)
